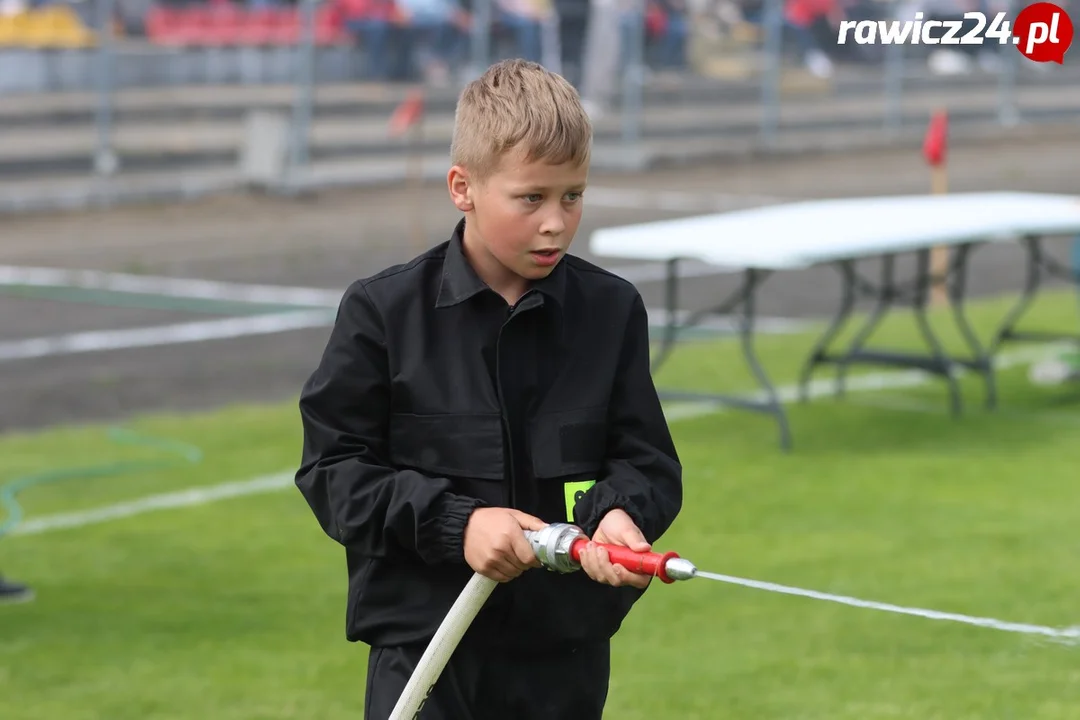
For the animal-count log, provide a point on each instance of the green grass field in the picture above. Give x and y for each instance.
(236, 609)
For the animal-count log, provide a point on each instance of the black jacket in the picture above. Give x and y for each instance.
(433, 397)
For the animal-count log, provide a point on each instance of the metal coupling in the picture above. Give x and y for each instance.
(552, 546)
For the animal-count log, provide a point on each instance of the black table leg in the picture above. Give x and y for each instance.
(1038, 265)
(773, 404)
(980, 358)
(923, 282)
(1007, 332)
(671, 324)
(820, 353)
(886, 294)
(743, 301)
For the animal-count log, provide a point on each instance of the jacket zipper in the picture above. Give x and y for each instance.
(512, 495)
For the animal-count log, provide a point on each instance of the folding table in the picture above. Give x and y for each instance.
(792, 236)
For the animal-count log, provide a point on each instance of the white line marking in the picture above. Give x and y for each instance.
(225, 328)
(170, 287)
(303, 297)
(281, 481)
(658, 317)
(871, 382)
(166, 501)
(198, 331)
(1071, 633)
(1056, 416)
(271, 483)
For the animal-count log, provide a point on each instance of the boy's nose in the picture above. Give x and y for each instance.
(553, 225)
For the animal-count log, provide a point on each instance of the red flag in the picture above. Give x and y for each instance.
(935, 144)
(408, 113)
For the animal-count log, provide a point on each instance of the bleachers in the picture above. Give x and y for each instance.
(231, 26)
(53, 27)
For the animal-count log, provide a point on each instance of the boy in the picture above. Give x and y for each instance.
(490, 386)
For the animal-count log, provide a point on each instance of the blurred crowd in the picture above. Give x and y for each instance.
(435, 35)
(432, 39)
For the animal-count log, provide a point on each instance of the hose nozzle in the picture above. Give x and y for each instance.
(558, 548)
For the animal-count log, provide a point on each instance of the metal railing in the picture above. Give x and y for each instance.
(749, 84)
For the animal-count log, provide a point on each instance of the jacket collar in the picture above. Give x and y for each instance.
(460, 282)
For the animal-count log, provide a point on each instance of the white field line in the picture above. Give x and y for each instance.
(165, 501)
(170, 287)
(658, 317)
(281, 481)
(194, 289)
(301, 297)
(189, 332)
(272, 323)
(871, 382)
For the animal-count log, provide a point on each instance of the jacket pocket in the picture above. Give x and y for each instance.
(467, 449)
(569, 443)
(568, 450)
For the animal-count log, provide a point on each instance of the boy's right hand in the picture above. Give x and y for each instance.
(495, 544)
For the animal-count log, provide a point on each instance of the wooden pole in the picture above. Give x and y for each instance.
(935, 144)
(939, 256)
(408, 117)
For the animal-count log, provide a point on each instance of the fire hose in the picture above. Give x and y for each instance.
(558, 548)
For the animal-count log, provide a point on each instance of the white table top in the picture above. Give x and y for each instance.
(802, 234)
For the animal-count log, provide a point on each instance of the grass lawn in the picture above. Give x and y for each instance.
(236, 609)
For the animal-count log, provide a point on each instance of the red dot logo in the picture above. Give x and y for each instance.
(1043, 32)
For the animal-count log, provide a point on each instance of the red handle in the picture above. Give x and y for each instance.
(644, 563)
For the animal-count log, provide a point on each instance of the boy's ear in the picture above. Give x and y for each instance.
(457, 181)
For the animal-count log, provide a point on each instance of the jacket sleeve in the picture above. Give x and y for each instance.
(345, 473)
(642, 473)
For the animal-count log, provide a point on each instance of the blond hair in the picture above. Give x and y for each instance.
(517, 103)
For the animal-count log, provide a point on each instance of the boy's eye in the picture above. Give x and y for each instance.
(537, 197)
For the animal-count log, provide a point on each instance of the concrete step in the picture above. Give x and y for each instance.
(145, 146)
(737, 81)
(82, 190)
(343, 100)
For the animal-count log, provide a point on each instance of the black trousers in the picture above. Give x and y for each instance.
(482, 683)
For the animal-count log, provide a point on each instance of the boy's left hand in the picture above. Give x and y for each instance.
(616, 528)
